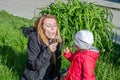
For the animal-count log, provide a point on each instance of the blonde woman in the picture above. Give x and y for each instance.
(44, 48)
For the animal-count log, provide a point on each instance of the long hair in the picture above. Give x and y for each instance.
(39, 27)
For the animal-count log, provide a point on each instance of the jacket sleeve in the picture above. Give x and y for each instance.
(58, 60)
(37, 56)
(69, 56)
(88, 68)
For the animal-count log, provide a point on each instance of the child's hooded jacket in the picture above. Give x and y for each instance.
(82, 64)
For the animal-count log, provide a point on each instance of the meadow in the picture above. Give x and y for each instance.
(71, 16)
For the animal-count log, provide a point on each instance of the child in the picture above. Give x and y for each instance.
(84, 59)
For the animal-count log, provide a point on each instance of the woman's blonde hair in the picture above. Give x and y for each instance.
(39, 27)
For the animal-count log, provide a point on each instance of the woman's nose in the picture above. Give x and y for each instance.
(52, 28)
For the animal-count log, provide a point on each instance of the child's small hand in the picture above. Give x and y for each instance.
(66, 50)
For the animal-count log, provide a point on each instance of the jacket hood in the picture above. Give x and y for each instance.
(93, 52)
(28, 30)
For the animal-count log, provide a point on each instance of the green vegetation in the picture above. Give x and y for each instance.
(12, 46)
(72, 17)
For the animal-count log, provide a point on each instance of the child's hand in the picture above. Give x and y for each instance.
(66, 50)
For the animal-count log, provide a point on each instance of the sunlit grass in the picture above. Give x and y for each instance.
(13, 45)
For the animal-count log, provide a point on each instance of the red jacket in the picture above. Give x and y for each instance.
(82, 65)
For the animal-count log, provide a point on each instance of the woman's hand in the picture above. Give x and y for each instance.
(63, 76)
(66, 50)
(53, 47)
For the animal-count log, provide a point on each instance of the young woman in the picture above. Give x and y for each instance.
(44, 48)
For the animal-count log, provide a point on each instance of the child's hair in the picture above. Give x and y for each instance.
(84, 39)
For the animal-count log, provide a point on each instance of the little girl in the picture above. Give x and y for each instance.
(84, 59)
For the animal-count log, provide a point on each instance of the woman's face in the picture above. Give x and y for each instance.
(50, 27)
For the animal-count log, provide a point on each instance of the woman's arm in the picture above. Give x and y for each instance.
(37, 56)
(58, 60)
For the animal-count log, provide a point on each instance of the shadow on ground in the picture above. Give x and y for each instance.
(13, 59)
(113, 56)
(116, 55)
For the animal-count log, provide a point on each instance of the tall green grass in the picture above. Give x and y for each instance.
(75, 15)
(12, 46)
(72, 16)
